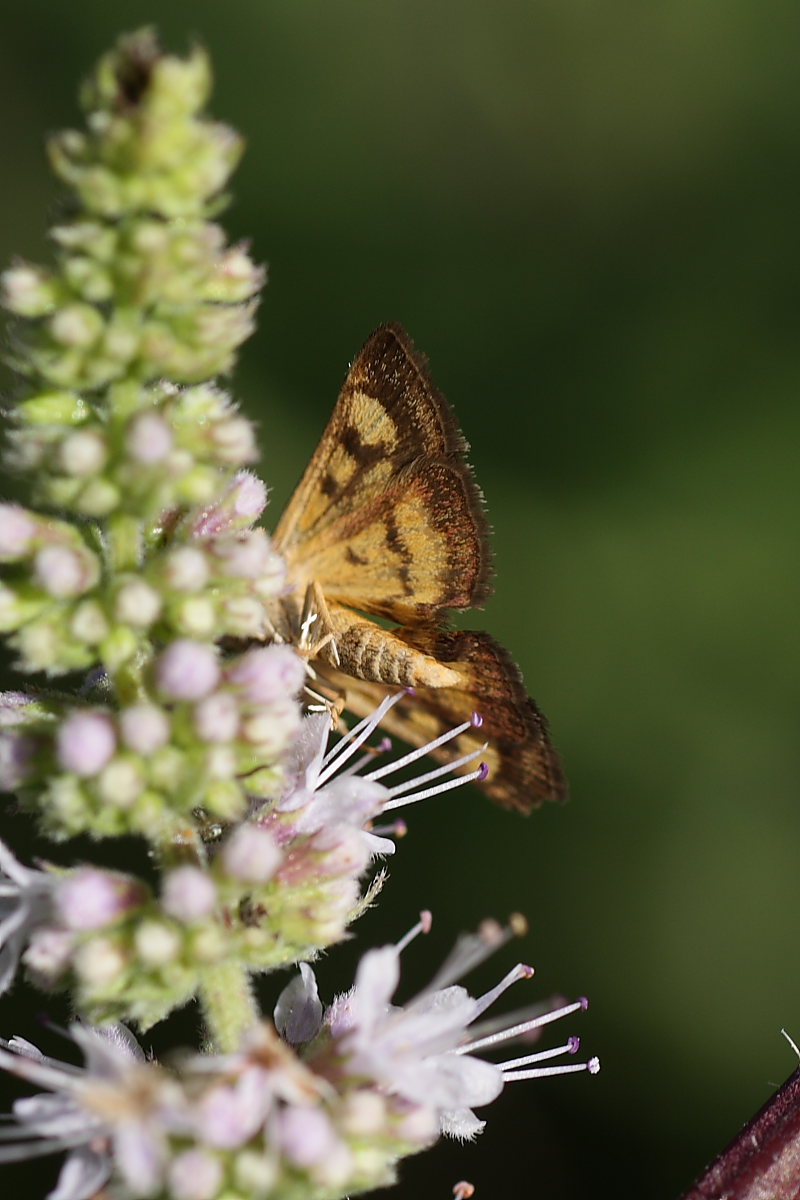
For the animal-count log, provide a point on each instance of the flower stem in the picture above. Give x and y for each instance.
(228, 1004)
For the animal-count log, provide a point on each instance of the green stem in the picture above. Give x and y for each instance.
(229, 1007)
(123, 543)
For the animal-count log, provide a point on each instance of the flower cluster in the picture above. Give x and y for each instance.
(277, 886)
(136, 579)
(325, 1109)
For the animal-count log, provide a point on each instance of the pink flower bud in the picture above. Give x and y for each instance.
(269, 673)
(64, 571)
(48, 954)
(195, 1175)
(17, 531)
(186, 569)
(148, 438)
(216, 718)
(144, 728)
(89, 898)
(234, 440)
(247, 556)
(187, 670)
(249, 495)
(85, 742)
(251, 855)
(228, 1116)
(188, 894)
(306, 1135)
(242, 502)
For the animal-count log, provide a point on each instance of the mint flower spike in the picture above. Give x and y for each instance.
(118, 425)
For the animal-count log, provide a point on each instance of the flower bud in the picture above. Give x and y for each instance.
(83, 452)
(89, 898)
(144, 728)
(216, 718)
(186, 569)
(244, 557)
(76, 325)
(268, 673)
(188, 895)
(187, 670)
(156, 943)
(306, 1135)
(195, 1175)
(148, 438)
(17, 531)
(27, 291)
(137, 604)
(85, 742)
(251, 855)
(48, 954)
(65, 571)
(234, 440)
(99, 962)
(121, 782)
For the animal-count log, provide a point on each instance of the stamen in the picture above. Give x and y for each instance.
(592, 1066)
(423, 925)
(520, 971)
(480, 775)
(371, 754)
(346, 747)
(469, 951)
(444, 769)
(515, 1030)
(56, 1078)
(571, 1046)
(413, 755)
(397, 829)
(24, 1150)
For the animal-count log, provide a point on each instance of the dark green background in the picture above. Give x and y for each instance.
(587, 215)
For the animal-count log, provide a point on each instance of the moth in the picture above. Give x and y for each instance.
(387, 522)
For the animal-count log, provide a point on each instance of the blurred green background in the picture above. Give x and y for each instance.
(587, 215)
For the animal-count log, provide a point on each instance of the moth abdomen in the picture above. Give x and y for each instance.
(369, 652)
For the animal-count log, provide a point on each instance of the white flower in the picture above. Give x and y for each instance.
(327, 790)
(26, 903)
(424, 1051)
(114, 1112)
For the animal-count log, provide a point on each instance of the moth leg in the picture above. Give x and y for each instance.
(315, 614)
(326, 697)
